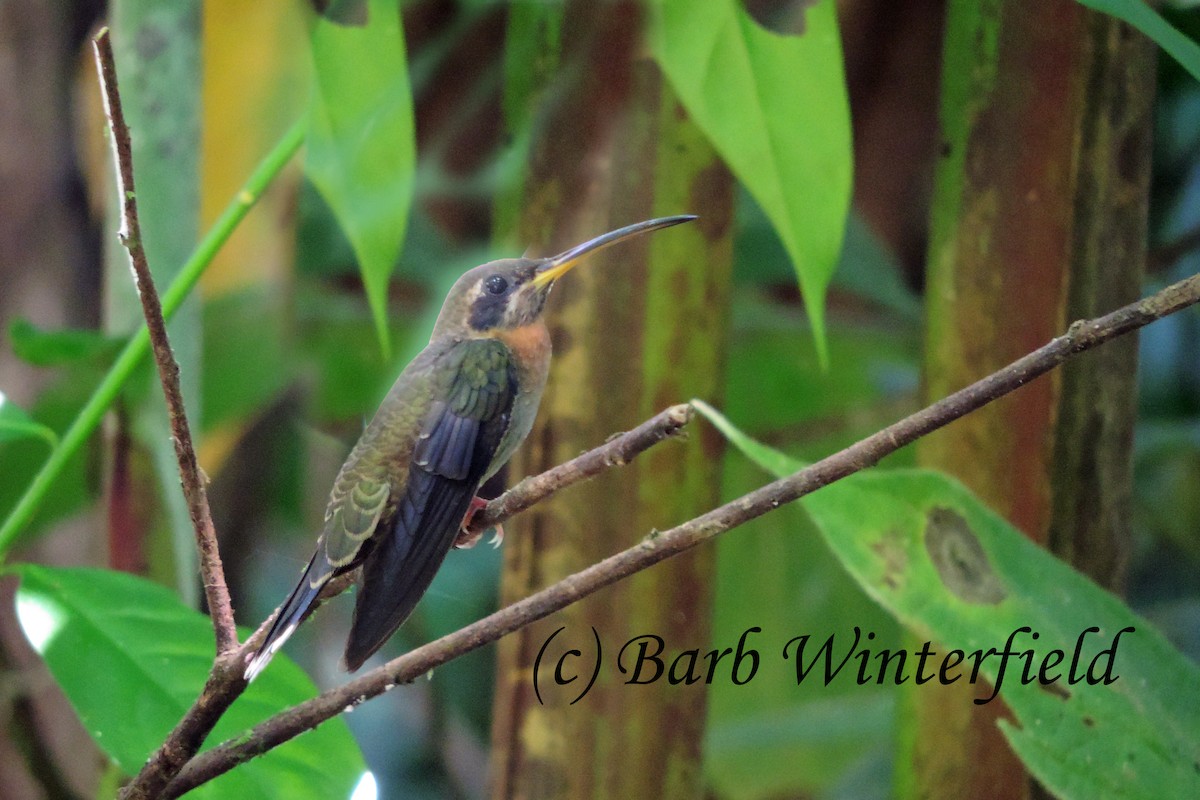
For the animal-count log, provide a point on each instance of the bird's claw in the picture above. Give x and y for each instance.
(468, 538)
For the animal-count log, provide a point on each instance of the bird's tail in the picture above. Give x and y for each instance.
(291, 613)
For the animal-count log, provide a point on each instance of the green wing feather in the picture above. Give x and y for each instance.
(454, 452)
(352, 518)
(420, 459)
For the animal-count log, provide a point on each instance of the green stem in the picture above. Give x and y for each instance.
(135, 350)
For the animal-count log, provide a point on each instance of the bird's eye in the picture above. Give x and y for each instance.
(496, 285)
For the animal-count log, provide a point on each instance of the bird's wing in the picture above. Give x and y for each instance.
(455, 446)
(358, 500)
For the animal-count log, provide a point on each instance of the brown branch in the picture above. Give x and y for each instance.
(215, 591)
(617, 451)
(226, 683)
(1082, 335)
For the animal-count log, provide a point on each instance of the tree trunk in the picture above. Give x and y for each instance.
(639, 328)
(1039, 219)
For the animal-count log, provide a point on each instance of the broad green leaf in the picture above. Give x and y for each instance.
(1142, 16)
(775, 108)
(132, 659)
(56, 347)
(16, 424)
(361, 146)
(952, 570)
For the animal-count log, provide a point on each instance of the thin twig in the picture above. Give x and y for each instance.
(226, 683)
(1082, 335)
(617, 451)
(215, 591)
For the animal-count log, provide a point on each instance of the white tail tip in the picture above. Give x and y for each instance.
(263, 657)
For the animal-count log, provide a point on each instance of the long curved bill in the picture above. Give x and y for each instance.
(561, 264)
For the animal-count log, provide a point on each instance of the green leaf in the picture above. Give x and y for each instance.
(952, 570)
(56, 347)
(132, 659)
(776, 109)
(361, 145)
(57, 404)
(1142, 16)
(16, 424)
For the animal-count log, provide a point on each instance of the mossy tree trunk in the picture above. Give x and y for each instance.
(1039, 219)
(636, 329)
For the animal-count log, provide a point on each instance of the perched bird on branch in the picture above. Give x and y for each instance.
(456, 414)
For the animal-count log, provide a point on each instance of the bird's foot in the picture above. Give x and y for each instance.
(468, 538)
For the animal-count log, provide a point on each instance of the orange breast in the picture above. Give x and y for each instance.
(529, 343)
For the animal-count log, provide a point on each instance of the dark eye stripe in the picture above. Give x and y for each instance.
(487, 311)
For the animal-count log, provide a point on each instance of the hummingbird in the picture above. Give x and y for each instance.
(455, 415)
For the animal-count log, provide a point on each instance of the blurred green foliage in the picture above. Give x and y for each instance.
(305, 364)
